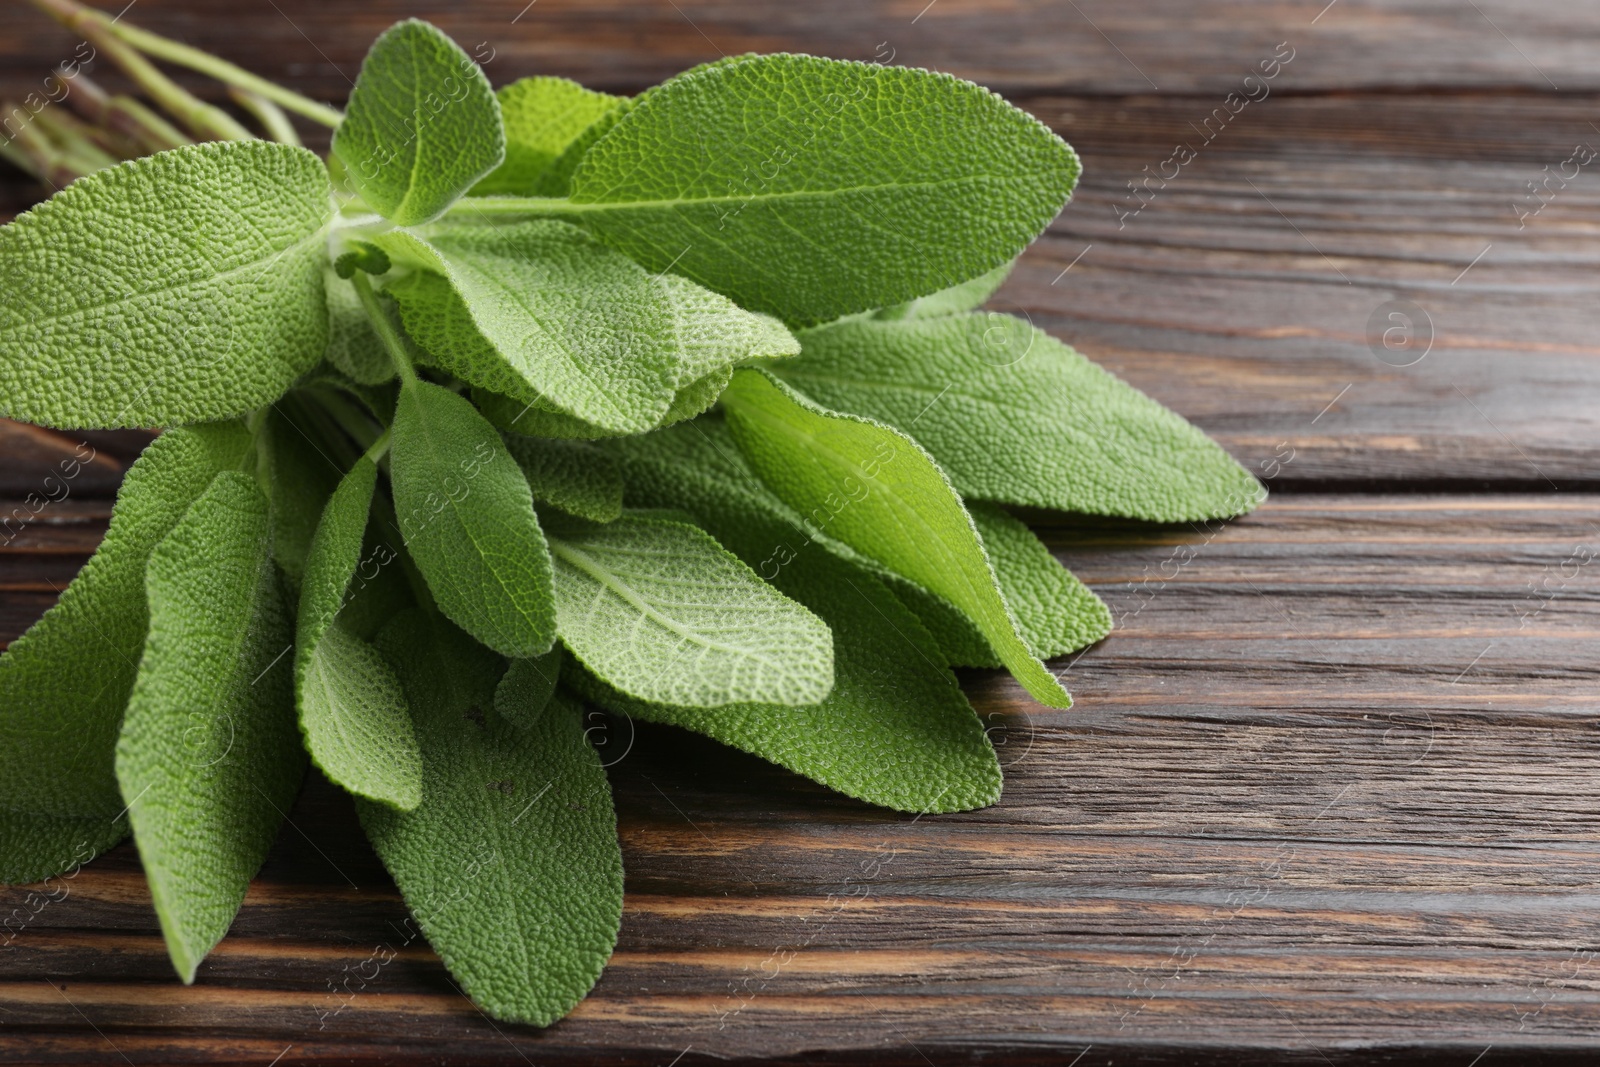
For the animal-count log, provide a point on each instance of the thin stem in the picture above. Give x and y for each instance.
(270, 115)
(143, 125)
(203, 119)
(19, 159)
(75, 139)
(398, 346)
(73, 14)
(527, 206)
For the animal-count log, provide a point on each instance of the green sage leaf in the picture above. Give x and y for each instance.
(526, 688)
(353, 345)
(510, 864)
(576, 477)
(209, 758)
(1014, 415)
(182, 287)
(542, 117)
(352, 711)
(896, 729)
(541, 311)
(1057, 613)
(299, 476)
(662, 612)
(951, 301)
(882, 495)
(466, 516)
(65, 682)
(813, 188)
(422, 127)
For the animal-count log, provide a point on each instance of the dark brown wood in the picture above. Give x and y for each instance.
(1327, 795)
(1325, 789)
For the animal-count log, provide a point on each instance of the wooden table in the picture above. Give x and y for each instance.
(1329, 793)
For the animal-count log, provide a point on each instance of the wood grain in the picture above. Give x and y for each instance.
(1325, 790)
(1327, 793)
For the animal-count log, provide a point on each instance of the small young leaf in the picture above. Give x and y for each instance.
(540, 310)
(352, 711)
(542, 117)
(526, 688)
(64, 683)
(951, 301)
(814, 188)
(363, 256)
(354, 347)
(536, 418)
(1058, 613)
(466, 515)
(209, 757)
(664, 613)
(884, 497)
(578, 478)
(510, 864)
(422, 127)
(182, 287)
(896, 730)
(1014, 415)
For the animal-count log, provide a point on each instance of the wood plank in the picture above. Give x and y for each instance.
(1327, 790)
(1095, 46)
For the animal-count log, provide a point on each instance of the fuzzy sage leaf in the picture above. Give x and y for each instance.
(182, 287)
(209, 757)
(423, 125)
(887, 499)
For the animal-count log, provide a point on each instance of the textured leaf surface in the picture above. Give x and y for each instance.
(576, 477)
(34, 847)
(64, 683)
(1014, 415)
(540, 310)
(209, 757)
(526, 688)
(951, 301)
(300, 477)
(537, 419)
(813, 188)
(510, 864)
(353, 345)
(556, 180)
(182, 287)
(422, 127)
(885, 498)
(352, 711)
(542, 117)
(1058, 613)
(466, 516)
(896, 729)
(661, 611)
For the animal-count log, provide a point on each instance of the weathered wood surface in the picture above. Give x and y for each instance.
(1328, 794)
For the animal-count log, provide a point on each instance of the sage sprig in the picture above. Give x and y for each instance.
(678, 405)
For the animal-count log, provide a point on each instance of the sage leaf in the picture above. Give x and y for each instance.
(556, 179)
(65, 682)
(542, 117)
(896, 729)
(537, 418)
(209, 758)
(662, 612)
(182, 287)
(510, 864)
(299, 475)
(466, 516)
(352, 711)
(1014, 415)
(882, 495)
(34, 847)
(574, 476)
(540, 310)
(526, 688)
(1057, 613)
(422, 127)
(958, 298)
(814, 188)
(353, 345)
